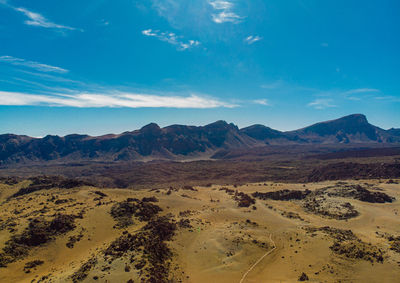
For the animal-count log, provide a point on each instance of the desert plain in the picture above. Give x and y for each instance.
(61, 230)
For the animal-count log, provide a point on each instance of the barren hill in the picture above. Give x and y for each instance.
(181, 142)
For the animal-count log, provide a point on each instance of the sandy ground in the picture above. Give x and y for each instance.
(224, 242)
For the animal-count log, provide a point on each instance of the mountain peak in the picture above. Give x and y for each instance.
(150, 126)
(151, 129)
(355, 118)
(221, 125)
(349, 127)
(261, 132)
(218, 123)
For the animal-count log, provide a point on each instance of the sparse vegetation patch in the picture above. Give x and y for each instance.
(150, 243)
(348, 245)
(282, 195)
(123, 211)
(38, 232)
(49, 182)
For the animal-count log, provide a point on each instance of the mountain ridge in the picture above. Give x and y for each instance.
(185, 142)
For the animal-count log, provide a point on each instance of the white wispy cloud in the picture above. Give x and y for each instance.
(252, 39)
(359, 93)
(104, 22)
(32, 64)
(43, 86)
(388, 98)
(262, 102)
(221, 4)
(362, 90)
(36, 19)
(224, 12)
(274, 85)
(114, 100)
(353, 98)
(322, 103)
(48, 77)
(225, 17)
(171, 38)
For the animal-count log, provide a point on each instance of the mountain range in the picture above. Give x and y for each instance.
(179, 142)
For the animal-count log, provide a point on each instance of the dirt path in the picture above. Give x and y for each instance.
(258, 261)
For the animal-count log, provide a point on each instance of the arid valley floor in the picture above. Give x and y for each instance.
(55, 230)
(199, 141)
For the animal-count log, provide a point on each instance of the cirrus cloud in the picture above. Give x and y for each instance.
(171, 38)
(224, 12)
(252, 39)
(322, 103)
(262, 102)
(111, 100)
(32, 64)
(36, 19)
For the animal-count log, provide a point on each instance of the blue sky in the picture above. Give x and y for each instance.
(103, 66)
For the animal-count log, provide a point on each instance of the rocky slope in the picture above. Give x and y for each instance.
(350, 129)
(186, 142)
(150, 141)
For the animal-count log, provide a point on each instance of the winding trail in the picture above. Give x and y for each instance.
(258, 261)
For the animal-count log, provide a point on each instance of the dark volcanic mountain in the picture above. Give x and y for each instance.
(186, 142)
(149, 142)
(271, 136)
(264, 133)
(350, 129)
(394, 132)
